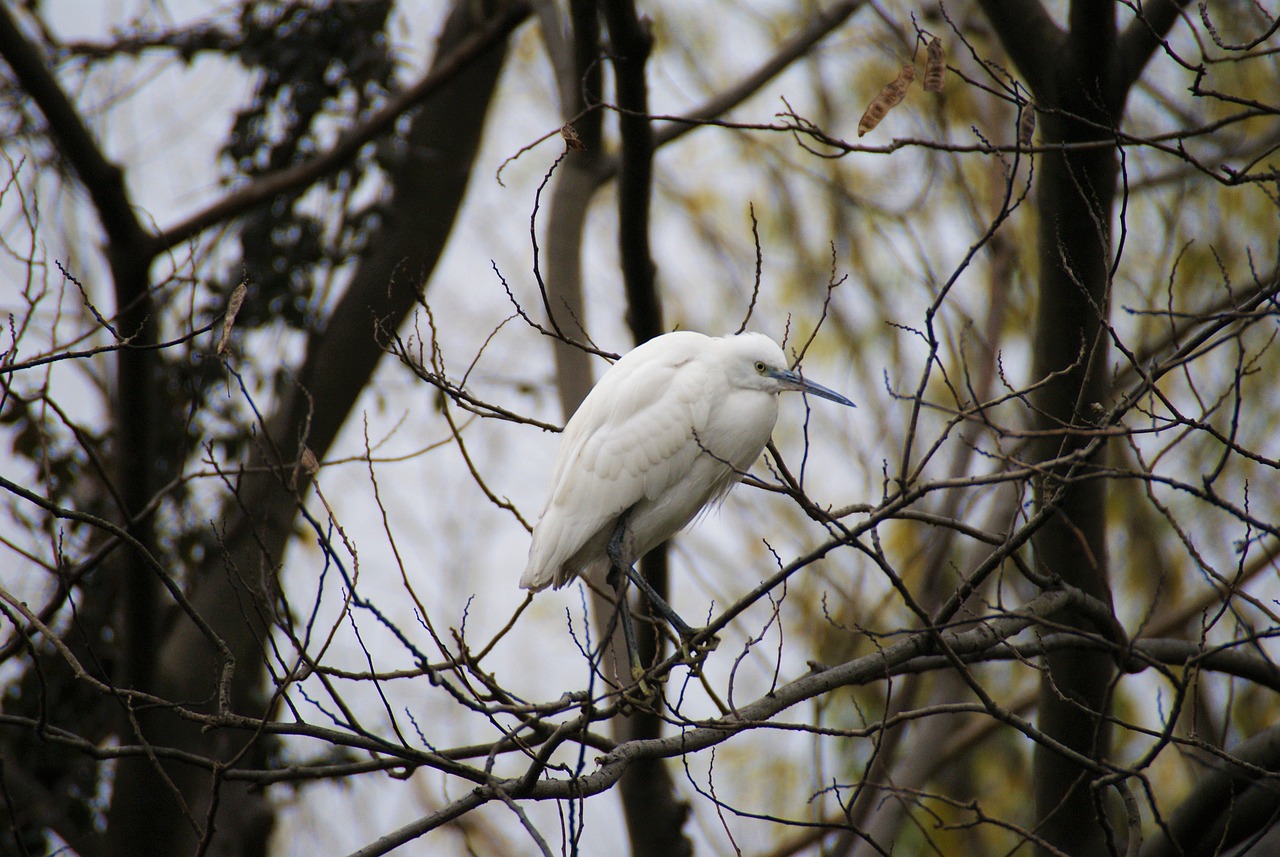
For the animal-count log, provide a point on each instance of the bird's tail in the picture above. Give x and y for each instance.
(536, 577)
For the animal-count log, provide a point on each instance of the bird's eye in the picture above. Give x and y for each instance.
(760, 366)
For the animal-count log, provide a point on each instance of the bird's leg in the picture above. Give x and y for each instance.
(619, 566)
(659, 603)
(623, 613)
(619, 571)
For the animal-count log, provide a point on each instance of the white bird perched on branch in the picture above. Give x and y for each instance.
(666, 432)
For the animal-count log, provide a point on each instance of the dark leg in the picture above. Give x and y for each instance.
(622, 613)
(659, 603)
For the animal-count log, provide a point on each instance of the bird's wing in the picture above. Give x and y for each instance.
(649, 444)
(635, 439)
(631, 439)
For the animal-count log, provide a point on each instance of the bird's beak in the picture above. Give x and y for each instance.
(793, 381)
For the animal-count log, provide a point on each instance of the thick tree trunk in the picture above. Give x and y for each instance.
(654, 812)
(1230, 804)
(1075, 194)
(655, 816)
(1079, 99)
(165, 807)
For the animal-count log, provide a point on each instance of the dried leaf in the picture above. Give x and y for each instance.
(308, 462)
(890, 97)
(229, 320)
(1026, 124)
(571, 138)
(935, 68)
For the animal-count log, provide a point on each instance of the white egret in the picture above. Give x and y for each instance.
(667, 431)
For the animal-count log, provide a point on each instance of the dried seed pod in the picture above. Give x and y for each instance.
(229, 320)
(1026, 124)
(890, 97)
(935, 68)
(306, 464)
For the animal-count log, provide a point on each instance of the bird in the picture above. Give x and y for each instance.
(664, 434)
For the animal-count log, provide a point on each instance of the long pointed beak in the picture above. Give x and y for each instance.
(793, 381)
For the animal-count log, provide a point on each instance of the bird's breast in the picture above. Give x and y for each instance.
(739, 426)
(729, 438)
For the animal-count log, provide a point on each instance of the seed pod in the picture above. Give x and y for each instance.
(890, 97)
(306, 464)
(935, 68)
(1026, 124)
(308, 461)
(229, 320)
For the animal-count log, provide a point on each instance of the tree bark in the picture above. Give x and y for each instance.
(653, 809)
(1078, 100)
(1080, 78)
(1229, 805)
(130, 252)
(167, 808)
(1074, 196)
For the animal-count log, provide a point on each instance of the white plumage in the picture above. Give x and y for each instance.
(667, 431)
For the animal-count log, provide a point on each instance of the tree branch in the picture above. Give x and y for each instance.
(819, 25)
(631, 43)
(611, 766)
(1140, 38)
(1232, 800)
(235, 589)
(103, 180)
(262, 190)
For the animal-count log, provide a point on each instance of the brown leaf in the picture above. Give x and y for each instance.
(1026, 124)
(890, 97)
(935, 68)
(308, 462)
(229, 320)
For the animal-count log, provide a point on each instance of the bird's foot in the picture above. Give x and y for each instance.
(694, 646)
(642, 694)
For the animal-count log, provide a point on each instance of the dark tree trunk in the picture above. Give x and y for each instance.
(1080, 77)
(165, 808)
(1075, 192)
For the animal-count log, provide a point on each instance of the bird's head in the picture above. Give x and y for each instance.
(755, 361)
